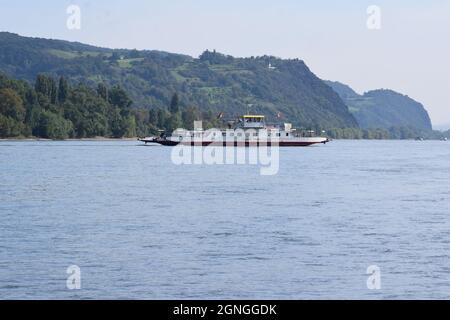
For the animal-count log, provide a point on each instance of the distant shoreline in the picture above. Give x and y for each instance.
(137, 139)
(72, 139)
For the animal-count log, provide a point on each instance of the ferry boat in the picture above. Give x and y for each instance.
(249, 130)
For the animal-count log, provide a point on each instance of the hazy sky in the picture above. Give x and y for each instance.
(409, 54)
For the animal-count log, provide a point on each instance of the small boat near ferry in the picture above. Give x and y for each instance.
(249, 130)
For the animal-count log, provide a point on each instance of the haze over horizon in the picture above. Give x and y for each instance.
(409, 54)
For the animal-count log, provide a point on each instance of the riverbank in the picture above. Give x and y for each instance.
(79, 139)
(137, 138)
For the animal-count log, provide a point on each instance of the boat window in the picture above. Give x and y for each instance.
(287, 134)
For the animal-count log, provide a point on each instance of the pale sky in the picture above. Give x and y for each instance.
(409, 54)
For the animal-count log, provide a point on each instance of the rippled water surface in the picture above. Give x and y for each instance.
(139, 226)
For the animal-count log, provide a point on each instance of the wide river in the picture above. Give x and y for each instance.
(139, 226)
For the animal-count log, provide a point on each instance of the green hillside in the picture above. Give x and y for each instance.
(213, 82)
(383, 108)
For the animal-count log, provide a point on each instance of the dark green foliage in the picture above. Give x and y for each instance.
(215, 57)
(390, 133)
(11, 104)
(102, 91)
(352, 133)
(9, 127)
(174, 103)
(78, 111)
(87, 112)
(82, 112)
(51, 125)
(46, 87)
(12, 113)
(118, 97)
(63, 90)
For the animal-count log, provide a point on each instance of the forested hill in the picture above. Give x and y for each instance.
(214, 82)
(383, 108)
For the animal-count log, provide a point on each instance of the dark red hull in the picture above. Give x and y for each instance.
(166, 142)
